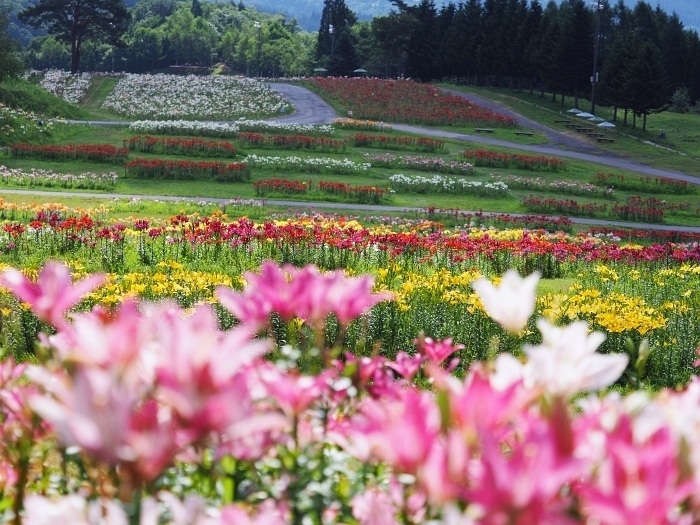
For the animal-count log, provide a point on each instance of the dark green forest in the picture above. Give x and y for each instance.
(645, 56)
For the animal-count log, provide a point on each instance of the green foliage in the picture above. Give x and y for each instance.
(78, 21)
(10, 64)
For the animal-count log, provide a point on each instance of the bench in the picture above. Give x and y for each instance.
(483, 130)
(563, 121)
(528, 133)
(581, 128)
(570, 125)
(604, 139)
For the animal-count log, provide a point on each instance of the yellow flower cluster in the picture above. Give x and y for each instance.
(440, 286)
(614, 312)
(171, 280)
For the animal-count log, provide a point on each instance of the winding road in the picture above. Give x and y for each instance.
(312, 109)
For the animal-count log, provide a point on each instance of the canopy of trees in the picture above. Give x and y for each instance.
(645, 54)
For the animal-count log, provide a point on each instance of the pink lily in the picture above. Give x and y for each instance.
(54, 292)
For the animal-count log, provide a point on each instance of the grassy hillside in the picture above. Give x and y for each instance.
(24, 95)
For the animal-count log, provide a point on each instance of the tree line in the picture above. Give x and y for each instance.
(643, 55)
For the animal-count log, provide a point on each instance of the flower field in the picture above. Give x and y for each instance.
(71, 88)
(440, 184)
(225, 130)
(272, 388)
(407, 102)
(173, 146)
(172, 97)
(187, 170)
(93, 152)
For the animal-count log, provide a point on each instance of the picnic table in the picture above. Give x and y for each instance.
(605, 139)
(562, 121)
(483, 130)
(528, 133)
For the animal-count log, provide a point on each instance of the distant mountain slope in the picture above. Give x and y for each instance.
(308, 12)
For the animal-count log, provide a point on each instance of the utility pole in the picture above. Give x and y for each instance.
(594, 77)
(257, 25)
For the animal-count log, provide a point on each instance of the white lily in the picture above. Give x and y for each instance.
(511, 303)
(567, 362)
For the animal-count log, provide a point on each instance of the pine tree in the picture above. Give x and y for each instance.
(10, 65)
(196, 9)
(78, 21)
(646, 83)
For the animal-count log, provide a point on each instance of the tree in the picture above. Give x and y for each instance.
(10, 65)
(196, 9)
(335, 17)
(78, 21)
(647, 85)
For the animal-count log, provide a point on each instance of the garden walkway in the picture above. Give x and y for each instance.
(338, 206)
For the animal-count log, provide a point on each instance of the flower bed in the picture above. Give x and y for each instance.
(306, 164)
(569, 187)
(566, 206)
(148, 144)
(48, 178)
(362, 194)
(420, 163)
(19, 125)
(362, 125)
(308, 422)
(291, 142)
(94, 152)
(640, 209)
(408, 102)
(192, 97)
(440, 184)
(492, 159)
(645, 184)
(63, 84)
(286, 187)
(388, 142)
(187, 170)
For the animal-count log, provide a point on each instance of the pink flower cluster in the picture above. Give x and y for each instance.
(152, 386)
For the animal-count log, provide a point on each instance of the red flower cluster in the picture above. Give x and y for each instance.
(566, 206)
(409, 102)
(492, 159)
(187, 170)
(94, 152)
(149, 144)
(292, 142)
(645, 184)
(639, 209)
(263, 187)
(370, 194)
(386, 141)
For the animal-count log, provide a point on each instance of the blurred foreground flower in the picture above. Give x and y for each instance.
(511, 303)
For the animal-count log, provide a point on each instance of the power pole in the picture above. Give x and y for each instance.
(594, 77)
(257, 24)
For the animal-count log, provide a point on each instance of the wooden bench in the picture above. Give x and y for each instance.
(483, 130)
(563, 121)
(604, 139)
(581, 128)
(570, 125)
(528, 133)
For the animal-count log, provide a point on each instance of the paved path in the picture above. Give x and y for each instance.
(339, 206)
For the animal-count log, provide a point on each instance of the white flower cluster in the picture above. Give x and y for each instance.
(265, 126)
(440, 184)
(571, 187)
(185, 127)
(71, 88)
(48, 178)
(193, 97)
(306, 164)
(225, 129)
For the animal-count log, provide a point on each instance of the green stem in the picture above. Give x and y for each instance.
(18, 504)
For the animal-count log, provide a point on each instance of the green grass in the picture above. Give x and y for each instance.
(27, 96)
(100, 88)
(680, 151)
